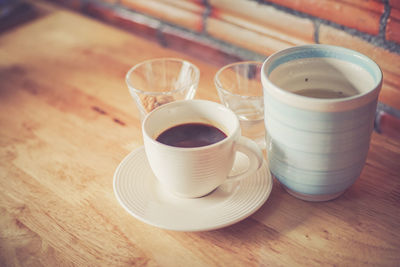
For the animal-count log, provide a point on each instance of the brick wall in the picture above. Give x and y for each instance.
(223, 31)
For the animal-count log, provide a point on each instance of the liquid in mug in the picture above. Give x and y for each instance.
(324, 93)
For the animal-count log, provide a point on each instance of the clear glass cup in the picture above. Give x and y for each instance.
(155, 82)
(239, 88)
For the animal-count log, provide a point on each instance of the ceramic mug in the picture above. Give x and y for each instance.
(196, 171)
(320, 103)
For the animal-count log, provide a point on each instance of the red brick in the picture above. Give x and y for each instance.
(172, 38)
(245, 38)
(389, 125)
(394, 3)
(187, 14)
(264, 19)
(256, 27)
(127, 20)
(395, 13)
(364, 20)
(393, 30)
(373, 5)
(393, 26)
(197, 47)
(389, 62)
(390, 94)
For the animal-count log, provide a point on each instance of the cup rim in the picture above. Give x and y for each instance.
(219, 86)
(320, 104)
(151, 93)
(229, 136)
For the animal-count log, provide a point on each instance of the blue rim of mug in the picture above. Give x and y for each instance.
(321, 51)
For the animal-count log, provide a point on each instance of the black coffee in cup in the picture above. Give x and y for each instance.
(191, 135)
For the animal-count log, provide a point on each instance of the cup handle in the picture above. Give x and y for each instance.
(254, 154)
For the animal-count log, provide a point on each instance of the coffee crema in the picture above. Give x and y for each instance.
(191, 135)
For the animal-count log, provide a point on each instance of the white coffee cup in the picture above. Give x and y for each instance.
(196, 171)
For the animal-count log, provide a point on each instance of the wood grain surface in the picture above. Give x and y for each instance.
(67, 120)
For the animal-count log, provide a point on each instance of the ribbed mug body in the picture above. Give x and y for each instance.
(320, 103)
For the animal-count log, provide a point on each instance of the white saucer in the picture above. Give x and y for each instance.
(139, 192)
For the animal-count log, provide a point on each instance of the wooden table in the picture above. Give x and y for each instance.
(67, 120)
